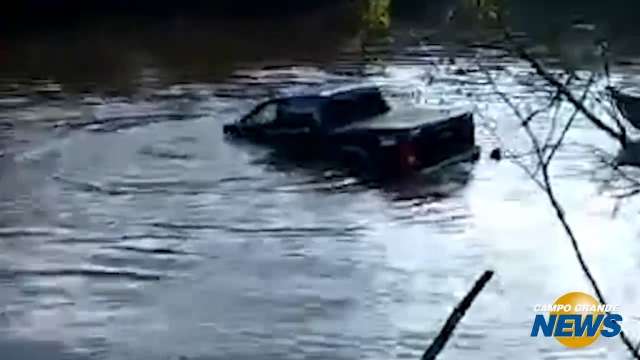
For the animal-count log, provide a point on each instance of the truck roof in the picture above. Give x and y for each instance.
(406, 118)
(332, 92)
(337, 107)
(363, 107)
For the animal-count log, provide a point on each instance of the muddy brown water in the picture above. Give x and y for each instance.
(130, 229)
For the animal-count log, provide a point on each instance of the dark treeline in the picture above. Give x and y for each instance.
(161, 7)
(108, 43)
(111, 52)
(537, 15)
(617, 17)
(39, 14)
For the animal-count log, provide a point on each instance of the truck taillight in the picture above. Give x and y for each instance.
(408, 155)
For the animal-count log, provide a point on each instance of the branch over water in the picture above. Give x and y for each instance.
(441, 340)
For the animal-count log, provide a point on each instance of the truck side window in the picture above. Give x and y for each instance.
(299, 113)
(264, 115)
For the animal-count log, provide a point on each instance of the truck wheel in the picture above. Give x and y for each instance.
(357, 159)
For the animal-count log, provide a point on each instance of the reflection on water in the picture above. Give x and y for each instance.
(130, 229)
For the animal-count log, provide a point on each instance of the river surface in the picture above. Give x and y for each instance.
(131, 229)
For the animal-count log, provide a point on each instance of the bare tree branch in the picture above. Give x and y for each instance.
(560, 213)
(456, 315)
(553, 81)
(545, 158)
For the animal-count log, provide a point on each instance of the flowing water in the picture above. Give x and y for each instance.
(131, 229)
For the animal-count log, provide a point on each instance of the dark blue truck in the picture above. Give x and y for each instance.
(358, 126)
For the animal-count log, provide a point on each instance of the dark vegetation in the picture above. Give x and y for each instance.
(26, 14)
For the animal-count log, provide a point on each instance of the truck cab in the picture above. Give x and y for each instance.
(298, 115)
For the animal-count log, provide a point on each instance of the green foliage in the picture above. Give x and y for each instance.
(487, 10)
(376, 14)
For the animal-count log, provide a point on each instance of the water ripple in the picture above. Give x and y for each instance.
(280, 231)
(143, 186)
(151, 251)
(102, 273)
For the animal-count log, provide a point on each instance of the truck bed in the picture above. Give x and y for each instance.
(405, 119)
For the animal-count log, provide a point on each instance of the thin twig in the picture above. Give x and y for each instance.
(567, 126)
(549, 78)
(606, 66)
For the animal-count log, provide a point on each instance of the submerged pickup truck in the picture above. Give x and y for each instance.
(357, 125)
